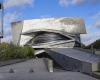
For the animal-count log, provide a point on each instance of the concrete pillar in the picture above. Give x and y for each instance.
(50, 65)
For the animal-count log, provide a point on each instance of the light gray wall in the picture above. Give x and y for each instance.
(97, 52)
(16, 31)
(86, 67)
(95, 67)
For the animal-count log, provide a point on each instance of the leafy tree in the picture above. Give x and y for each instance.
(95, 45)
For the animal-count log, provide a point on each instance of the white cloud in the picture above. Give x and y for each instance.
(90, 37)
(96, 19)
(78, 2)
(7, 39)
(17, 3)
(96, 16)
(95, 2)
(46, 16)
(97, 24)
(13, 16)
(8, 18)
(7, 34)
(66, 3)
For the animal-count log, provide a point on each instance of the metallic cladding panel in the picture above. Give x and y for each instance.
(70, 25)
(16, 31)
(60, 45)
(63, 26)
(48, 37)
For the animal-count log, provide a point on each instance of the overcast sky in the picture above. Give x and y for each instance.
(89, 10)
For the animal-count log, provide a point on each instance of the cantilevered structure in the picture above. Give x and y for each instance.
(49, 32)
(55, 38)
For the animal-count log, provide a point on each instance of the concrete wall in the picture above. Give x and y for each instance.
(49, 64)
(16, 32)
(97, 52)
(86, 67)
(95, 67)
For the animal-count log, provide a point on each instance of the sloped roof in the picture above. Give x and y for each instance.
(77, 54)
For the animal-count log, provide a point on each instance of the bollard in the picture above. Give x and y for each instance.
(31, 70)
(11, 70)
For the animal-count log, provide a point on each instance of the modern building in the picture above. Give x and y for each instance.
(61, 36)
(49, 32)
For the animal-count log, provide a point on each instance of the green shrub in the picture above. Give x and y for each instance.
(28, 51)
(10, 51)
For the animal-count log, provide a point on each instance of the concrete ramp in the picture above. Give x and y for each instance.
(72, 59)
(81, 55)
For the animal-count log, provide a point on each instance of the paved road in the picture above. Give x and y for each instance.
(37, 65)
(40, 72)
(45, 76)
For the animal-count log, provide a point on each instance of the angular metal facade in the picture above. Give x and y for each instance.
(49, 32)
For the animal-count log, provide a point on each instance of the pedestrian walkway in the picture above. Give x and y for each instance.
(37, 65)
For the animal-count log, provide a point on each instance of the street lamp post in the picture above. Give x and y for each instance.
(2, 16)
